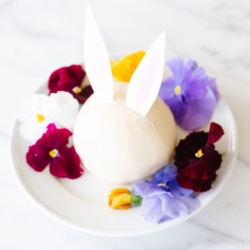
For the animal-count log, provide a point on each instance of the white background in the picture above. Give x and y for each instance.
(38, 36)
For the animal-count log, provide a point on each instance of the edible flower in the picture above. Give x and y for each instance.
(38, 111)
(189, 93)
(123, 69)
(163, 198)
(51, 150)
(70, 79)
(197, 160)
(122, 198)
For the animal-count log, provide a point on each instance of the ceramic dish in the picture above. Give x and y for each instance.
(82, 203)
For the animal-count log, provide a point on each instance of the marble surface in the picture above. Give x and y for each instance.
(38, 36)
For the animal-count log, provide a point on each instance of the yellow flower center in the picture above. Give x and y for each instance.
(161, 185)
(177, 90)
(199, 153)
(40, 118)
(53, 153)
(77, 90)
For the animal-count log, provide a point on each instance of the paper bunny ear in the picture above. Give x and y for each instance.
(97, 63)
(146, 80)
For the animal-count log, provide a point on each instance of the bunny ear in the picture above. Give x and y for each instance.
(146, 80)
(97, 63)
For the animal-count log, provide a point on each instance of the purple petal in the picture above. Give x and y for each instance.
(178, 108)
(152, 210)
(54, 138)
(177, 189)
(177, 66)
(190, 67)
(73, 166)
(67, 164)
(57, 168)
(147, 189)
(199, 112)
(166, 174)
(212, 84)
(37, 158)
(176, 206)
(167, 89)
(194, 84)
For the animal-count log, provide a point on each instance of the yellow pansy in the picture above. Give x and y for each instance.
(123, 69)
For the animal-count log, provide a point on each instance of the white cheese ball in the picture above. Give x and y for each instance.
(118, 145)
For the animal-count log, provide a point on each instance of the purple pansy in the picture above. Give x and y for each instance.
(189, 93)
(70, 79)
(52, 150)
(163, 198)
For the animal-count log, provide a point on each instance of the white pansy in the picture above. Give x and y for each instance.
(36, 112)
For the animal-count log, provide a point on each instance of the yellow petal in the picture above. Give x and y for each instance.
(117, 191)
(124, 69)
(122, 199)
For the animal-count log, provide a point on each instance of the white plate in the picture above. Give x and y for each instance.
(82, 203)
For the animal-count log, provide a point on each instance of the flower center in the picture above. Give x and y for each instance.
(161, 185)
(53, 153)
(199, 153)
(177, 90)
(77, 90)
(40, 118)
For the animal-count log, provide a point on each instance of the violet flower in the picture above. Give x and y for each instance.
(197, 160)
(70, 79)
(163, 198)
(51, 150)
(190, 94)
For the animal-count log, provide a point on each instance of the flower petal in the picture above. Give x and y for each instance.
(198, 112)
(195, 184)
(54, 138)
(66, 78)
(68, 108)
(186, 149)
(57, 168)
(37, 158)
(177, 66)
(194, 84)
(205, 167)
(166, 91)
(215, 133)
(176, 206)
(177, 189)
(147, 189)
(72, 163)
(211, 82)
(152, 210)
(190, 67)
(178, 108)
(164, 175)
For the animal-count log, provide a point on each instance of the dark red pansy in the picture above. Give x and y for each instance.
(51, 150)
(197, 160)
(70, 79)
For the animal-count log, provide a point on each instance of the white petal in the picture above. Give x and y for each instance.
(60, 108)
(68, 109)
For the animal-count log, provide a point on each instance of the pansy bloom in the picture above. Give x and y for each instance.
(189, 93)
(70, 79)
(197, 160)
(51, 150)
(163, 198)
(124, 69)
(36, 112)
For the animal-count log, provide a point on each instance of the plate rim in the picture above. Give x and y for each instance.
(134, 232)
